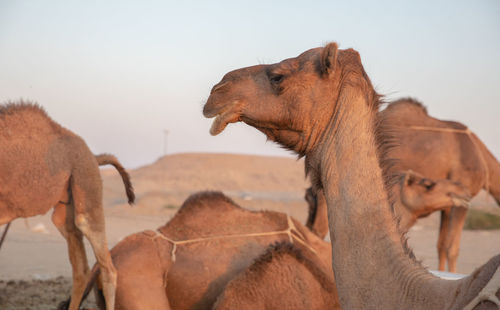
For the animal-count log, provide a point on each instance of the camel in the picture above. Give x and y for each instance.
(418, 197)
(322, 105)
(187, 263)
(44, 166)
(131, 256)
(444, 150)
(282, 278)
(102, 160)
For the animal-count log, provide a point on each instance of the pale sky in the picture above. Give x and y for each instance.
(119, 73)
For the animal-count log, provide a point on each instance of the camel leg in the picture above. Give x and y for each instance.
(321, 223)
(317, 220)
(89, 218)
(457, 221)
(443, 232)
(6, 229)
(63, 219)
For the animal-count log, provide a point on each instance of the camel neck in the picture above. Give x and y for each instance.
(370, 263)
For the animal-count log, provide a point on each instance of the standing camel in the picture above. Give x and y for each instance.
(322, 105)
(102, 159)
(441, 150)
(417, 197)
(187, 263)
(44, 166)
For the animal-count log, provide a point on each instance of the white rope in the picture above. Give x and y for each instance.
(289, 231)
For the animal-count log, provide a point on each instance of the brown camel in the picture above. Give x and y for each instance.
(282, 278)
(441, 150)
(102, 159)
(322, 105)
(418, 197)
(187, 263)
(44, 166)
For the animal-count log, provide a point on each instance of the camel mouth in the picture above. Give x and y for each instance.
(460, 201)
(221, 121)
(224, 115)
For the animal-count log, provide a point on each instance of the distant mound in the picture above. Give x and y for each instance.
(169, 180)
(269, 182)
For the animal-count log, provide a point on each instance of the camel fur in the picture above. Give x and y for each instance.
(281, 278)
(322, 105)
(441, 149)
(149, 276)
(418, 197)
(44, 166)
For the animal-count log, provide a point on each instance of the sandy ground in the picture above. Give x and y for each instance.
(35, 271)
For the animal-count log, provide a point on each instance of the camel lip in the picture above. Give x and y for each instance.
(222, 120)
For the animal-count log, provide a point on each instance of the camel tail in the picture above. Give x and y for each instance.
(64, 305)
(108, 159)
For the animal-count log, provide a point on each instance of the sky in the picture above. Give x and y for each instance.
(120, 73)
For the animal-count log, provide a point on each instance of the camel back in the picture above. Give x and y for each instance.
(435, 148)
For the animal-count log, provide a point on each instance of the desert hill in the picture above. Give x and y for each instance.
(168, 181)
(255, 182)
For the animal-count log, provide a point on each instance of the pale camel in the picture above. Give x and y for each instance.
(322, 105)
(187, 263)
(44, 166)
(441, 150)
(418, 197)
(282, 278)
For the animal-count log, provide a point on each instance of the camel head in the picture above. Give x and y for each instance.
(291, 102)
(418, 192)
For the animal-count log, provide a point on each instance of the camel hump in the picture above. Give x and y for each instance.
(281, 263)
(276, 251)
(108, 159)
(11, 107)
(281, 249)
(27, 118)
(212, 199)
(407, 102)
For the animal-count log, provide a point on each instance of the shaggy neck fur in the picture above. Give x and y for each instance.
(371, 265)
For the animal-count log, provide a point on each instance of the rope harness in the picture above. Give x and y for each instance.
(467, 132)
(291, 231)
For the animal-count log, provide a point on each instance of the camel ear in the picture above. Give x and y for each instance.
(329, 58)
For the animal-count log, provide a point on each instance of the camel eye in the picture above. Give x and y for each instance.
(276, 78)
(427, 183)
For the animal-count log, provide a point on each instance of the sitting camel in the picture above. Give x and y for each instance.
(187, 263)
(281, 278)
(44, 166)
(418, 197)
(213, 214)
(323, 106)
